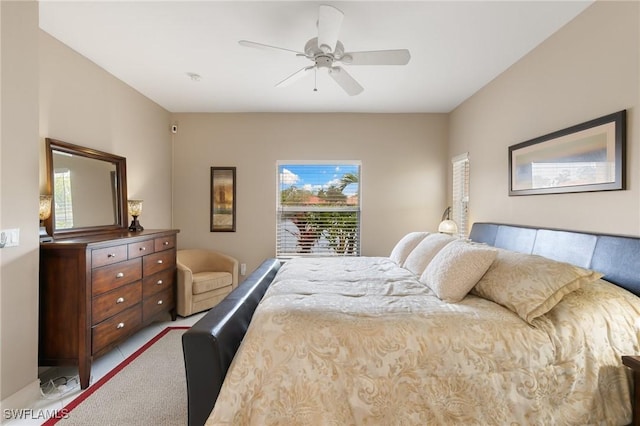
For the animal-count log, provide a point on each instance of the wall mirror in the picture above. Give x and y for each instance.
(88, 188)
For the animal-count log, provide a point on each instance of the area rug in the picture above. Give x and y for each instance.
(147, 388)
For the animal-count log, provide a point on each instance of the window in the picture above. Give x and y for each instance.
(460, 207)
(62, 198)
(318, 209)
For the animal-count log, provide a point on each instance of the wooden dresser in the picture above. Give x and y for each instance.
(97, 290)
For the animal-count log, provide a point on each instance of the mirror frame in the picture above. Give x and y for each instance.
(121, 188)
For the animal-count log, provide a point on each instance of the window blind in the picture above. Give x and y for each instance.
(62, 198)
(460, 206)
(318, 209)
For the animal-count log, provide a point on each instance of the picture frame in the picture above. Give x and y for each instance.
(586, 157)
(223, 199)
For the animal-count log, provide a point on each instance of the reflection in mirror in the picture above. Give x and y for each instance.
(76, 180)
(88, 188)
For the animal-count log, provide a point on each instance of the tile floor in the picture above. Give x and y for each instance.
(57, 399)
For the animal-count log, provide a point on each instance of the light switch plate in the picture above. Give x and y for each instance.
(13, 237)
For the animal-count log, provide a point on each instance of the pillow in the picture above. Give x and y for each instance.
(530, 285)
(405, 245)
(420, 256)
(456, 269)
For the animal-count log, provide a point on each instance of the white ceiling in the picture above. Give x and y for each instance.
(456, 48)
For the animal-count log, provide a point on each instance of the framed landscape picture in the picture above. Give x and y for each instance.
(223, 199)
(586, 157)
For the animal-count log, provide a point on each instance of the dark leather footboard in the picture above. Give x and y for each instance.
(210, 345)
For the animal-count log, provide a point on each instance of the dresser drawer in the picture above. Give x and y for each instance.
(159, 261)
(115, 328)
(114, 276)
(140, 249)
(158, 282)
(115, 301)
(162, 301)
(109, 255)
(165, 243)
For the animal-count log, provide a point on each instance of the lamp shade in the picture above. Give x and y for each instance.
(135, 207)
(448, 226)
(45, 207)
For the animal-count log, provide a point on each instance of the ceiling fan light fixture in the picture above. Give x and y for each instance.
(325, 48)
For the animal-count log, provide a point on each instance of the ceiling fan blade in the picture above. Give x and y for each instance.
(329, 22)
(248, 43)
(295, 76)
(344, 80)
(377, 57)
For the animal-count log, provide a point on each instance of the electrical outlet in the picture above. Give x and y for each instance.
(12, 237)
(243, 269)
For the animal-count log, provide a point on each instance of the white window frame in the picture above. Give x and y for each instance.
(62, 198)
(460, 193)
(286, 230)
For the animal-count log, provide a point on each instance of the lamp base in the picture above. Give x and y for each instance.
(44, 237)
(135, 225)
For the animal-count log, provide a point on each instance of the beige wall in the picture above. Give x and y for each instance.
(588, 69)
(82, 104)
(403, 158)
(19, 191)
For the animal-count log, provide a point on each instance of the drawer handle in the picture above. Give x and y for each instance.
(143, 248)
(159, 302)
(111, 255)
(120, 325)
(120, 300)
(159, 282)
(166, 243)
(160, 262)
(120, 275)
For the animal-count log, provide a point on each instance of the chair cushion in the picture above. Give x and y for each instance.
(208, 281)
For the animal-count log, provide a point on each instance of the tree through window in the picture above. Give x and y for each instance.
(318, 209)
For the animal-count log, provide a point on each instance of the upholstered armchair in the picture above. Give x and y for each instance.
(205, 277)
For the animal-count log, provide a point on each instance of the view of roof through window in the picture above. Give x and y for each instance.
(318, 209)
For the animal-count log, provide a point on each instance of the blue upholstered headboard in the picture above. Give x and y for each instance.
(617, 257)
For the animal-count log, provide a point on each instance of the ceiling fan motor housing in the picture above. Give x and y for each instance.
(322, 58)
(323, 61)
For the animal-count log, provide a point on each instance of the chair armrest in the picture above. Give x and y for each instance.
(184, 273)
(184, 291)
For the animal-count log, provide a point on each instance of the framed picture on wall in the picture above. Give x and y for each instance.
(586, 157)
(223, 199)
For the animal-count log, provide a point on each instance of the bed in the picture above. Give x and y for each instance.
(533, 335)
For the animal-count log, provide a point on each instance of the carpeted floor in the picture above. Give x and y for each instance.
(148, 388)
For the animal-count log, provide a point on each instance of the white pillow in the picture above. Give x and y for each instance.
(405, 246)
(456, 269)
(420, 256)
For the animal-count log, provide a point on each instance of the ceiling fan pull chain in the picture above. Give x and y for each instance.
(315, 79)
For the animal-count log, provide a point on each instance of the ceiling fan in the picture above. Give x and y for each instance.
(325, 50)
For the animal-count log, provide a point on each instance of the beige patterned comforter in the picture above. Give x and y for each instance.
(360, 341)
